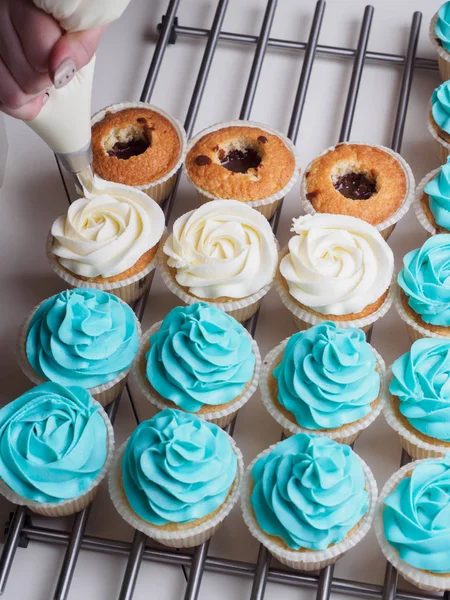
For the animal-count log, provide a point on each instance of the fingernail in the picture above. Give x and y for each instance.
(64, 73)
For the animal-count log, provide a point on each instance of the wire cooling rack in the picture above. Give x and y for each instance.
(20, 530)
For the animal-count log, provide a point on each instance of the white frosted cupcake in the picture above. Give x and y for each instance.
(108, 240)
(223, 253)
(56, 444)
(440, 38)
(176, 478)
(308, 500)
(336, 268)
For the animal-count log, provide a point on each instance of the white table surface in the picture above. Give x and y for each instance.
(32, 196)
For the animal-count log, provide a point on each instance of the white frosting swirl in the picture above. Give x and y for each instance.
(106, 232)
(223, 248)
(336, 264)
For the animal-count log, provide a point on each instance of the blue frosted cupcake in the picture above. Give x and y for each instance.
(440, 38)
(432, 201)
(56, 444)
(176, 478)
(325, 380)
(308, 499)
(412, 523)
(82, 337)
(200, 360)
(439, 119)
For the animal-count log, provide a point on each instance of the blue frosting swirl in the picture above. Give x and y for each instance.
(327, 376)
(177, 468)
(421, 382)
(82, 337)
(442, 27)
(416, 516)
(53, 443)
(440, 106)
(425, 279)
(309, 491)
(438, 190)
(200, 355)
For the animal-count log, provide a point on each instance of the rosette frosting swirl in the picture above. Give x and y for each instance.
(336, 264)
(440, 106)
(416, 516)
(53, 443)
(425, 279)
(200, 355)
(106, 232)
(224, 248)
(82, 337)
(442, 27)
(309, 491)
(327, 376)
(177, 468)
(438, 190)
(421, 382)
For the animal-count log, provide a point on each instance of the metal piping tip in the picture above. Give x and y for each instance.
(79, 165)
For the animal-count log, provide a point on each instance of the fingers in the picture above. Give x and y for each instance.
(28, 111)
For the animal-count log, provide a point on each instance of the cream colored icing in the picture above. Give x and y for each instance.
(223, 248)
(336, 264)
(78, 15)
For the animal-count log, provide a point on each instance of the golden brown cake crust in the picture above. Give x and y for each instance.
(395, 404)
(378, 165)
(269, 177)
(157, 160)
(418, 319)
(424, 201)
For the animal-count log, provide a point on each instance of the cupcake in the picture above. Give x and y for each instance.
(412, 524)
(308, 500)
(423, 299)
(439, 119)
(223, 253)
(336, 268)
(108, 240)
(432, 202)
(200, 360)
(372, 183)
(418, 406)
(176, 478)
(440, 39)
(55, 447)
(81, 337)
(324, 380)
(137, 144)
(244, 161)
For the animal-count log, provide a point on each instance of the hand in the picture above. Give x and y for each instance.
(35, 53)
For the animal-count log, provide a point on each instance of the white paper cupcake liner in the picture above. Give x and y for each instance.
(443, 55)
(266, 206)
(418, 208)
(73, 505)
(443, 147)
(415, 331)
(159, 189)
(422, 579)
(104, 394)
(220, 417)
(346, 434)
(387, 226)
(182, 538)
(315, 559)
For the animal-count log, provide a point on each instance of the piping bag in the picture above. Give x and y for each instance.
(64, 121)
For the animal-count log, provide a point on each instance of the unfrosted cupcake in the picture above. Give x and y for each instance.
(412, 524)
(423, 300)
(336, 268)
(440, 38)
(432, 202)
(439, 119)
(308, 500)
(55, 447)
(108, 240)
(81, 337)
(325, 380)
(200, 360)
(176, 478)
(418, 407)
(223, 253)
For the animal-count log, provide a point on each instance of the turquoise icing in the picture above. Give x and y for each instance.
(416, 516)
(440, 106)
(442, 28)
(82, 337)
(177, 468)
(200, 355)
(425, 279)
(53, 443)
(327, 376)
(309, 491)
(421, 381)
(438, 190)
